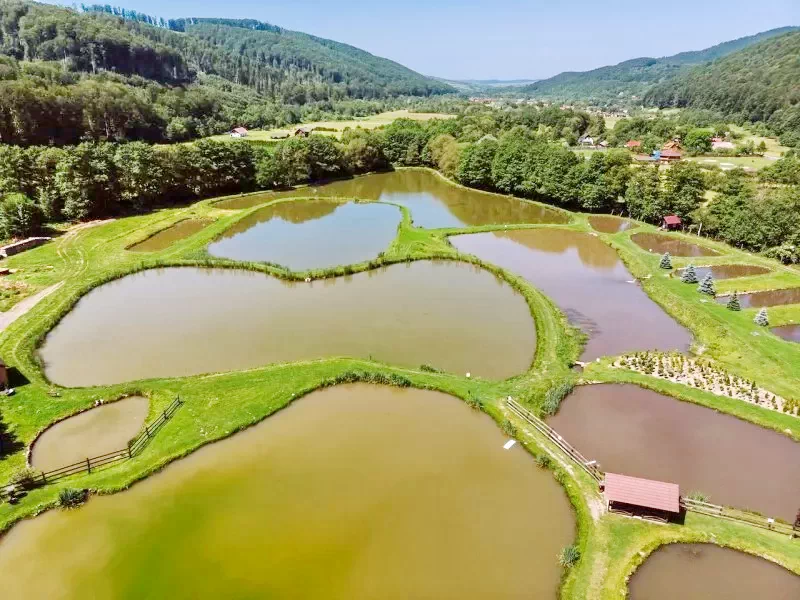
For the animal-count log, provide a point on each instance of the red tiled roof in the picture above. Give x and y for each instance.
(672, 220)
(239, 130)
(670, 153)
(633, 144)
(642, 492)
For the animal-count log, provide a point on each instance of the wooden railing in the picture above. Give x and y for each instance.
(587, 465)
(741, 516)
(135, 446)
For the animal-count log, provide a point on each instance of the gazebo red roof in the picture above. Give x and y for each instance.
(633, 144)
(647, 493)
(672, 220)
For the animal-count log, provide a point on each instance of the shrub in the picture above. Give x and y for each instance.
(544, 461)
(569, 556)
(26, 478)
(508, 428)
(474, 402)
(707, 286)
(429, 369)
(19, 216)
(689, 275)
(762, 318)
(666, 261)
(733, 302)
(70, 498)
(554, 396)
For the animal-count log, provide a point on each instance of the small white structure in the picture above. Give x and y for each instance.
(722, 145)
(239, 132)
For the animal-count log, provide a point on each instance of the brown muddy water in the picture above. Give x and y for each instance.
(766, 298)
(166, 237)
(588, 281)
(708, 572)
(655, 242)
(609, 224)
(433, 201)
(186, 321)
(91, 433)
(313, 234)
(355, 491)
(638, 432)
(727, 271)
(788, 332)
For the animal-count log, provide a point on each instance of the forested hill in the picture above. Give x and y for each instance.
(759, 83)
(109, 73)
(634, 77)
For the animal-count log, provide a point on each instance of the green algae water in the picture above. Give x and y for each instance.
(353, 492)
(188, 321)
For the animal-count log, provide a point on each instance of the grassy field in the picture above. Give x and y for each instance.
(218, 405)
(732, 162)
(335, 128)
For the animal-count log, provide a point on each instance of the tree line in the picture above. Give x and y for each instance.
(95, 179)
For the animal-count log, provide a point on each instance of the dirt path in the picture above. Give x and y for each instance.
(20, 308)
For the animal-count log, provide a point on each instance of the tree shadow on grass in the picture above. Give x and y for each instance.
(9, 444)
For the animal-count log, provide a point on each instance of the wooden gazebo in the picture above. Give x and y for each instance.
(641, 497)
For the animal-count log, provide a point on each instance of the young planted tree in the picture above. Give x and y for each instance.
(707, 286)
(733, 302)
(666, 261)
(762, 318)
(689, 275)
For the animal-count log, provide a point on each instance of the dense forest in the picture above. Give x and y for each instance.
(111, 74)
(518, 151)
(634, 77)
(759, 83)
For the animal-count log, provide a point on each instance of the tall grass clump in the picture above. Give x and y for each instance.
(70, 498)
(569, 557)
(554, 396)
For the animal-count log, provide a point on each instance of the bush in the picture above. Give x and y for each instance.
(689, 275)
(569, 557)
(70, 498)
(508, 428)
(26, 478)
(474, 402)
(554, 396)
(544, 461)
(19, 216)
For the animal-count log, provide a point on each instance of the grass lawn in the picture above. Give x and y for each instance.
(732, 162)
(371, 122)
(218, 405)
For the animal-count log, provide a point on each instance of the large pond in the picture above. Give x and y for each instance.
(432, 200)
(609, 224)
(705, 572)
(353, 492)
(638, 432)
(186, 321)
(767, 298)
(166, 237)
(587, 279)
(655, 242)
(788, 332)
(92, 433)
(311, 234)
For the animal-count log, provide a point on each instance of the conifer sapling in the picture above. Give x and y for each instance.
(666, 261)
(733, 302)
(761, 318)
(707, 286)
(689, 275)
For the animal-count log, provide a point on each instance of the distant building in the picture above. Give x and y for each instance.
(668, 155)
(671, 222)
(674, 144)
(303, 131)
(633, 144)
(717, 144)
(586, 140)
(239, 132)
(602, 144)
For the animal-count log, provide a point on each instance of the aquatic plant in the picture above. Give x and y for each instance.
(733, 302)
(762, 318)
(698, 496)
(70, 498)
(707, 286)
(689, 275)
(666, 261)
(569, 556)
(473, 401)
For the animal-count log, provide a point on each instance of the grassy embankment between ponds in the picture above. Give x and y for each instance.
(218, 405)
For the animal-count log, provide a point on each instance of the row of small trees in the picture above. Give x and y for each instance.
(706, 286)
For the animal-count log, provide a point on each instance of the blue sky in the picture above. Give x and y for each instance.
(504, 39)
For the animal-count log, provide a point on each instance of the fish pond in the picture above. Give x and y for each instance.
(355, 491)
(310, 234)
(788, 332)
(609, 224)
(655, 242)
(586, 278)
(433, 201)
(727, 271)
(705, 572)
(187, 321)
(166, 237)
(94, 432)
(639, 432)
(766, 298)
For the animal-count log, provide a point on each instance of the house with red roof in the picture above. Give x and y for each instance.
(639, 497)
(671, 222)
(633, 144)
(239, 132)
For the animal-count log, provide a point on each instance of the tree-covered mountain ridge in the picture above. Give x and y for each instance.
(634, 77)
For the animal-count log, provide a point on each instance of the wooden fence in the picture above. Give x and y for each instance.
(135, 446)
(587, 465)
(706, 508)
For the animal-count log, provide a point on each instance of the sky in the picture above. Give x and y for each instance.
(503, 39)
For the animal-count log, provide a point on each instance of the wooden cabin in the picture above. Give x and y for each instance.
(239, 132)
(669, 155)
(643, 498)
(671, 222)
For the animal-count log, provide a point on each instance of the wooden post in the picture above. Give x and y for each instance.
(88, 465)
(44, 479)
(130, 452)
(147, 430)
